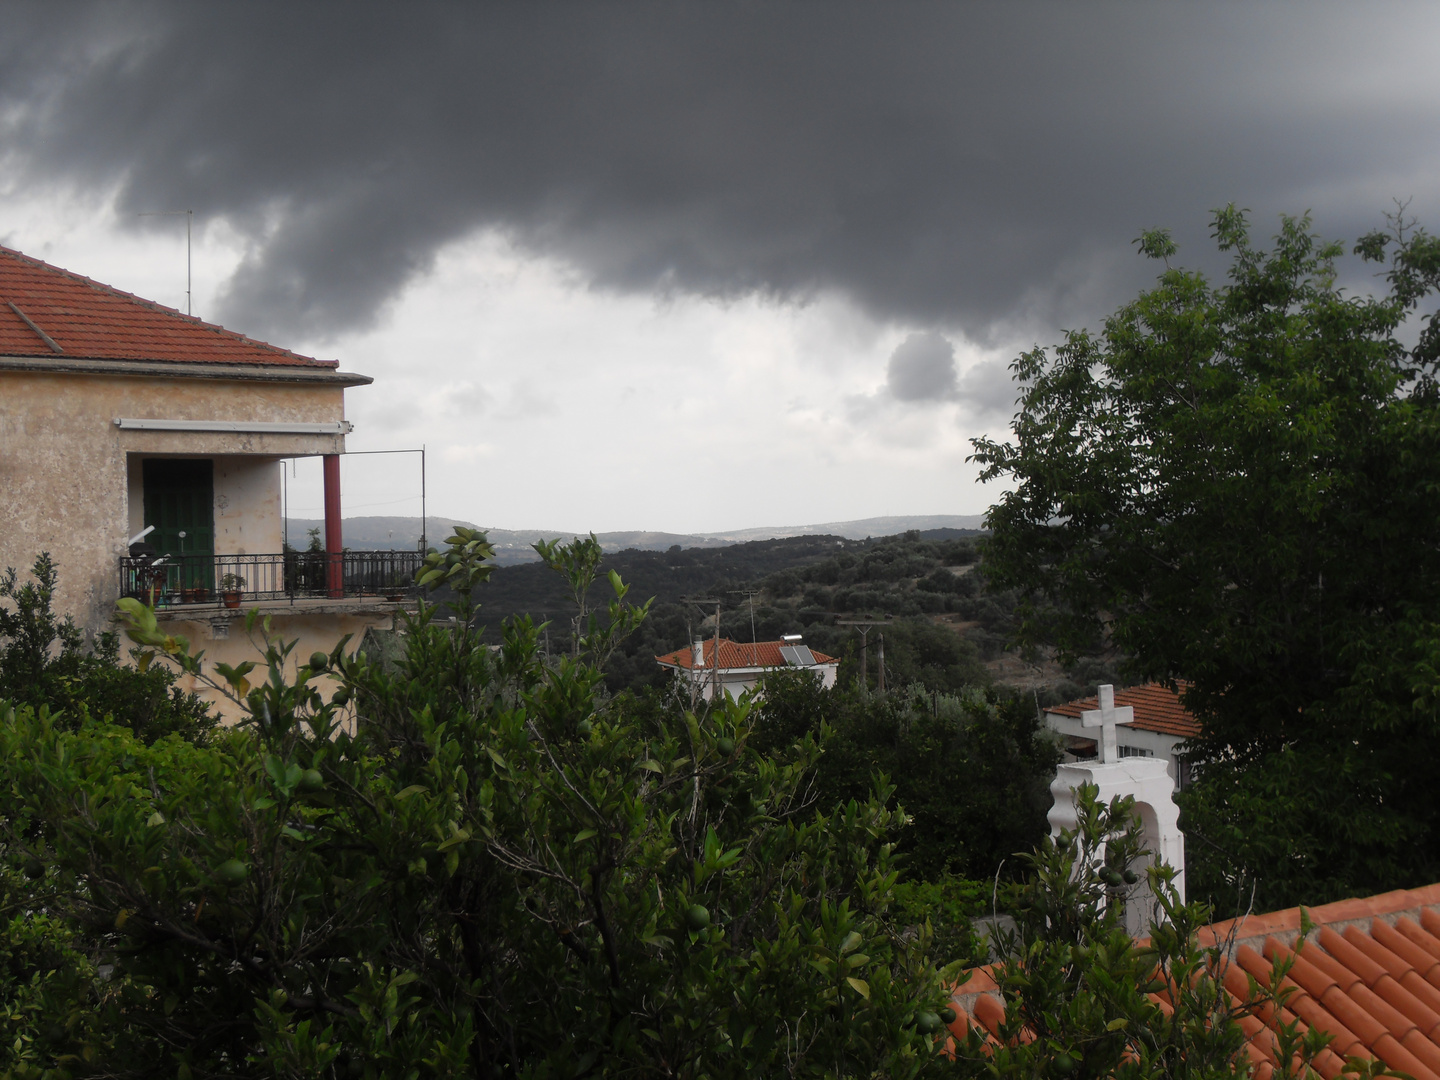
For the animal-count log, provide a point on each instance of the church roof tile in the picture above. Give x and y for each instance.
(1157, 708)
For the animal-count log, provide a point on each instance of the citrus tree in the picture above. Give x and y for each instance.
(467, 864)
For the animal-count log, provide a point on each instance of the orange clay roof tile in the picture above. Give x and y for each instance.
(1157, 708)
(91, 321)
(734, 654)
(1366, 975)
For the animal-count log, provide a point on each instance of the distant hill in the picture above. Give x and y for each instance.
(513, 546)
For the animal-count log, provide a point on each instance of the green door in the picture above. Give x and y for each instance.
(180, 503)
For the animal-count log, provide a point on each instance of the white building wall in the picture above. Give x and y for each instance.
(1162, 747)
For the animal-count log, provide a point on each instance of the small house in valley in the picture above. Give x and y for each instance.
(737, 667)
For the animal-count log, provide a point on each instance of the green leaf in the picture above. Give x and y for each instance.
(459, 838)
(860, 986)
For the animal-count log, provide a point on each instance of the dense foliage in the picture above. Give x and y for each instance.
(465, 863)
(470, 865)
(972, 770)
(44, 663)
(1236, 484)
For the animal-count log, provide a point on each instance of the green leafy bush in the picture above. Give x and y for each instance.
(972, 770)
(44, 662)
(469, 864)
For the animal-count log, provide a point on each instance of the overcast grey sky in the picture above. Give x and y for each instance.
(686, 266)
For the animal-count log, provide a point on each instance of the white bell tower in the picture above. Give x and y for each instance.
(1145, 778)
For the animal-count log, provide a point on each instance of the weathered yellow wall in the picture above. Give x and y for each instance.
(248, 514)
(312, 631)
(67, 472)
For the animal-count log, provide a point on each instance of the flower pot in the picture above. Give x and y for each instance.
(231, 598)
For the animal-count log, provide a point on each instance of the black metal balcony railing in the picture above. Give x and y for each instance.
(207, 579)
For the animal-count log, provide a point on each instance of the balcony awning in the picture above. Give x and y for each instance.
(267, 427)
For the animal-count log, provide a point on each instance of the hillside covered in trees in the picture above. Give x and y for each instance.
(945, 627)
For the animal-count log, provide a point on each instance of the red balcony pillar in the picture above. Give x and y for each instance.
(334, 539)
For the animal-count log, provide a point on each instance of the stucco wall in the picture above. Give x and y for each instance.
(248, 514)
(223, 639)
(65, 468)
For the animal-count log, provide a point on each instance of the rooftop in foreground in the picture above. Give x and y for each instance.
(1368, 974)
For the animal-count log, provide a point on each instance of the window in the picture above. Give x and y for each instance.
(1135, 751)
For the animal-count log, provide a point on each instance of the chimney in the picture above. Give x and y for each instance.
(699, 652)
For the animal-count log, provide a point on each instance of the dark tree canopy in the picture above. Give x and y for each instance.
(1236, 483)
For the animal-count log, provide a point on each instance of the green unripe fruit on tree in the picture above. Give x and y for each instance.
(232, 872)
(312, 781)
(1130, 876)
(342, 696)
(725, 745)
(319, 661)
(697, 918)
(948, 1015)
(34, 868)
(1063, 1064)
(927, 1023)
(584, 727)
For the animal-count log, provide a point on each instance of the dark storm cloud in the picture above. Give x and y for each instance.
(947, 165)
(922, 368)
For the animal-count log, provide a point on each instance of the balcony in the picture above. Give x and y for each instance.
(228, 580)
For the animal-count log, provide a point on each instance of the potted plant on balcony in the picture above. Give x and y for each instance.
(397, 588)
(230, 589)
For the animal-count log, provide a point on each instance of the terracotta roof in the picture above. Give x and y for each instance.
(1368, 974)
(1157, 708)
(87, 320)
(734, 654)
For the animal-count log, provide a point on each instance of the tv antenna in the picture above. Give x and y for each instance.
(189, 217)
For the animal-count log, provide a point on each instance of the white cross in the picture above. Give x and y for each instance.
(1105, 718)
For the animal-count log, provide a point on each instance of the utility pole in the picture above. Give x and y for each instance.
(880, 685)
(866, 625)
(698, 601)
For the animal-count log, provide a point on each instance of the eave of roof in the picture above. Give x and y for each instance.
(177, 369)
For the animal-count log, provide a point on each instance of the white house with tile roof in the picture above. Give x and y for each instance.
(1159, 729)
(742, 665)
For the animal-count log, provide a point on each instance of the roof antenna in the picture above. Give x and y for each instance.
(189, 217)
